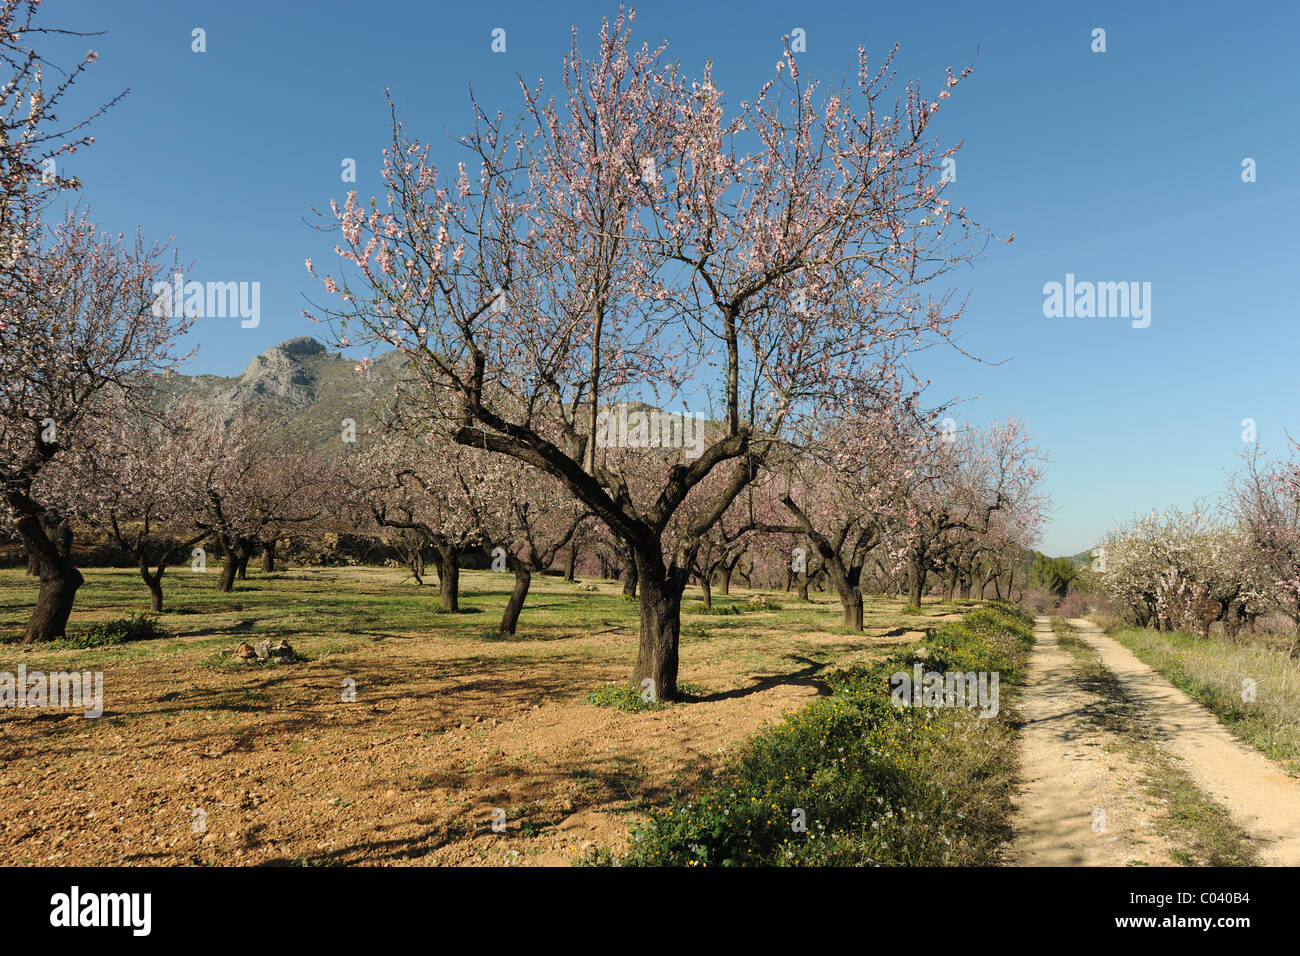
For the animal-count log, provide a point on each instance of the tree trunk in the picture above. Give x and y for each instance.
(49, 547)
(449, 580)
(629, 580)
(153, 581)
(661, 605)
(802, 581)
(523, 578)
(915, 584)
(236, 557)
(724, 576)
(708, 590)
(570, 562)
(853, 610)
(268, 556)
(241, 568)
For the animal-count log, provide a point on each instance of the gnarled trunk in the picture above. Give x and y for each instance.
(852, 609)
(570, 562)
(236, 557)
(523, 578)
(708, 590)
(153, 581)
(629, 580)
(449, 579)
(915, 584)
(49, 548)
(661, 605)
(268, 556)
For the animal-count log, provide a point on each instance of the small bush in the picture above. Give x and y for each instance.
(625, 697)
(138, 627)
(870, 783)
(699, 607)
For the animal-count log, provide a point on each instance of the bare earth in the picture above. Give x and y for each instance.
(1081, 803)
(194, 764)
(1261, 799)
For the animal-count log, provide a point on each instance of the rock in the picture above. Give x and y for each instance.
(283, 650)
(262, 649)
(245, 651)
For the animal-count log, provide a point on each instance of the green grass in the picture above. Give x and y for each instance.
(852, 779)
(625, 697)
(320, 610)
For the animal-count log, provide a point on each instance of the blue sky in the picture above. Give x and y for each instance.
(1115, 166)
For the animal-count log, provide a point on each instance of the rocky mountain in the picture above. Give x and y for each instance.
(299, 380)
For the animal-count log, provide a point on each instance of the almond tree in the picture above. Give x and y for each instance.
(124, 479)
(642, 241)
(962, 480)
(840, 500)
(434, 489)
(1265, 501)
(530, 529)
(75, 308)
(91, 327)
(241, 479)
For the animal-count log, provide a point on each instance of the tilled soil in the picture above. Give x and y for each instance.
(194, 764)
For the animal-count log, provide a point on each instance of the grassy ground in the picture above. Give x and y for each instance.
(201, 759)
(1253, 686)
(1199, 829)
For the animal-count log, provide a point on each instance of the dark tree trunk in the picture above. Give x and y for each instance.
(449, 579)
(49, 547)
(802, 581)
(523, 578)
(661, 605)
(268, 556)
(724, 576)
(241, 568)
(853, 610)
(915, 584)
(708, 590)
(630, 580)
(236, 557)
(153, 581)
(570, 562)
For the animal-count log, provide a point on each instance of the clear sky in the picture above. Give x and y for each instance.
(1117, 166)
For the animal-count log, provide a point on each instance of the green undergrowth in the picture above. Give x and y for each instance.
(854, 779)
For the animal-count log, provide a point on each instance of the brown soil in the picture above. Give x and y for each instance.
(442, 732)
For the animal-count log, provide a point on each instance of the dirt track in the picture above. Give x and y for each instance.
(1074, 769)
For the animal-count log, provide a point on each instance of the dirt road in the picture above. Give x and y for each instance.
(1083, 803)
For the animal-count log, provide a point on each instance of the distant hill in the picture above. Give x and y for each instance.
(300, 381)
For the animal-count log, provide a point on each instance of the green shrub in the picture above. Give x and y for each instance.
(137, 627)
(871, 783)
(699, 607)
(626, 697)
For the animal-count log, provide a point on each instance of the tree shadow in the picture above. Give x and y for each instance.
(804, 677)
